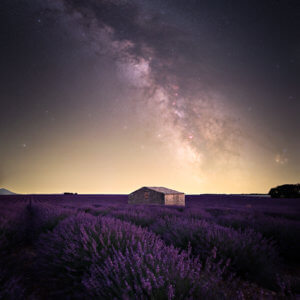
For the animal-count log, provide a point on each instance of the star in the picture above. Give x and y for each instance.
(281, 159)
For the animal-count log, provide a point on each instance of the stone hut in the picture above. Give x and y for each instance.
(156, 195)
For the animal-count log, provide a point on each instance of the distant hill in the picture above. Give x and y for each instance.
(6, 192)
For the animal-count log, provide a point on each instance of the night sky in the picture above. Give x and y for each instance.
(105, 96)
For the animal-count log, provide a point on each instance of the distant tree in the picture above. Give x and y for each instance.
(285, 191)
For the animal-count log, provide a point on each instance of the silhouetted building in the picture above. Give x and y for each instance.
(156, 195)
(285, 191)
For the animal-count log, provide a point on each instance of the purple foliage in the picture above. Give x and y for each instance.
(284, 232)
(251, 255)
(11, 287)
(105, 257)
(97, 247)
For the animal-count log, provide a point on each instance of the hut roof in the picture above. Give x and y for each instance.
(163, 190)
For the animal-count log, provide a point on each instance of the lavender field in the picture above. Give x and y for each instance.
(99, 247)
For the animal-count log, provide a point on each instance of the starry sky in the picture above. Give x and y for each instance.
(105, 96)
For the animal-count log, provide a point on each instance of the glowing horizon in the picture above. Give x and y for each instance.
(107, 97)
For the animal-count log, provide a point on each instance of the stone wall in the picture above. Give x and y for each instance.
(176, 199)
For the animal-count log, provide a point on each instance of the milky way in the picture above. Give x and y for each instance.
(206, 91)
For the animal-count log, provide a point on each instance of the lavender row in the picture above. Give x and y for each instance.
(104, 257)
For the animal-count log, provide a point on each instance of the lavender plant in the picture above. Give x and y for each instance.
(96, 247)
(105, 257)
